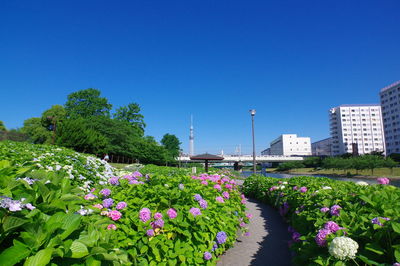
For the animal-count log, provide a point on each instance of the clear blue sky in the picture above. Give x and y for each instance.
(289, 60)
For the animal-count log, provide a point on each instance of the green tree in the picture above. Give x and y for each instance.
(172, 144)
(75, 134)
(131, 114)
(87, 103)
(53, 116)
(2, 126)
(149, 151)
(35, 131)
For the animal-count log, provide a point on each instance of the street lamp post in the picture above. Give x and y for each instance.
(253, 112)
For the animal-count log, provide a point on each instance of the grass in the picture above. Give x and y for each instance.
(378, 172)
(118, 165)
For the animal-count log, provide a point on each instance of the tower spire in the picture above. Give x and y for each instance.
(191, 137)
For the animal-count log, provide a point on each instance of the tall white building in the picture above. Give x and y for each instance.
(356, 129)
(390, 102)
(290, 144)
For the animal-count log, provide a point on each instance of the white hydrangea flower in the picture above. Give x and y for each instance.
(343, 248)
(326, 187)
(284, 183)
(281, 187)
(362, 183)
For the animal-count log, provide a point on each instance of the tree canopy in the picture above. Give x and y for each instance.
(172, 145)
(131, 114)
(87, 103)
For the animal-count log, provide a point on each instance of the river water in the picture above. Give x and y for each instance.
(368, 180)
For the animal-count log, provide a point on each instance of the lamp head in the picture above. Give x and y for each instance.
(252, 112)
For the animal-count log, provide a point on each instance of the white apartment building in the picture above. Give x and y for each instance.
(356, 126)
(390, 102)
(290, 145)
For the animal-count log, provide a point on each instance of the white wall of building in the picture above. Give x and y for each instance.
(290, 144)
(390, 102)
(360, 124)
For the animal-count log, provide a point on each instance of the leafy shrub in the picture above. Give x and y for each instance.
(321, 209)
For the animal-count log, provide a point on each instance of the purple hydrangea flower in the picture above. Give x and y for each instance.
(197, 197)
(159, 223)
(144, 214)
(376, 220)
(335, 210)
(320, 238)
(172, 214)
(114, 181)
(105, 192)
(158, 215)
(136, 174)
(203, 204)
(107, 203)
(207, 255)
(332, 226)
(324, 209)
(295, 188)
(150, 232)
(121, 205)
(291, 229)
(296, 236)
(215, 246)
(195, 211)
(283, 210)
(221, 237)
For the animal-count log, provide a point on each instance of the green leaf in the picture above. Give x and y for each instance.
(11, 222)
(70, 197)
(375, 248)
(92, 262)
(70, 223)
(367, 261)
(144, 249)
(397, 255)
(396, 227)
(41, 258)
(14, 254)
(78, 250)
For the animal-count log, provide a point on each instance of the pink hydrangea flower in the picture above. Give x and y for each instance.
(115, 215)
(111, 227)
(249, 216)
(204, 182)
(90, 196)
(383, 181)
(332, 226)
(228, 186)
(158, 215)
(121, 205)
(98, 206)
(303, 189)
(144, 214)
(172, 214)
(217, 186)
(324, 209)
(225, 195)
(195, 211)
(219, 199)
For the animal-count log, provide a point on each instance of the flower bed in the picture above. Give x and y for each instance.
(335, 222)
(159, 216)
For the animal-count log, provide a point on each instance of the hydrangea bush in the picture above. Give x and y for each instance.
(159, 216)
(335, 222)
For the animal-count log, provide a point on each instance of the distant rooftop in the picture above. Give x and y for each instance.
(390, 86)
(359, 105)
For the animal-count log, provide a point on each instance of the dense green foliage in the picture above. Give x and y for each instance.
(363, 162)
(87, 103)
(361, 207)
(53, 210)
(85, 125)
(171, 144)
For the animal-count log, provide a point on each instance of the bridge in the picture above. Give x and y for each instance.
(249, 158)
